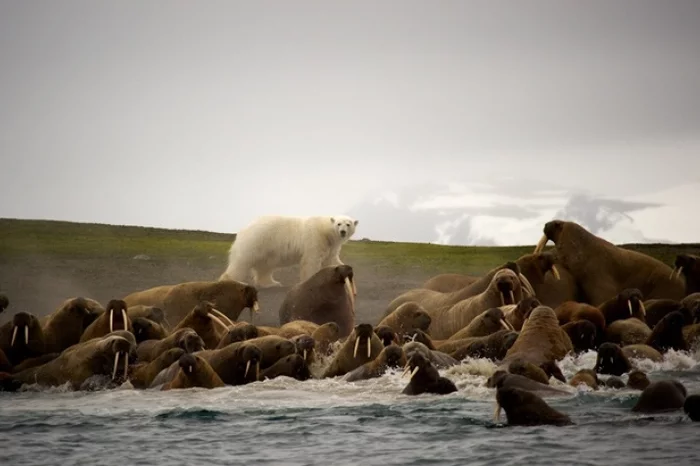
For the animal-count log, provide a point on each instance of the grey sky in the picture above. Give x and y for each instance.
(207, 114)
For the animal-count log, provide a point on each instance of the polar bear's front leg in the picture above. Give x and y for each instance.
(310, 264)
(333, 258)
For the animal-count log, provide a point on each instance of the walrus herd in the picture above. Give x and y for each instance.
(525, 315)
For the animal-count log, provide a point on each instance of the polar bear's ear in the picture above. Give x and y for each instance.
(356, 222)
(332, 220)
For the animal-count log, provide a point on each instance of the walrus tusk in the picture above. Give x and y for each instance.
(257, 370)
(354, 287)
(503, 301)
(512, 297)
(673, 272)
(14, 336)
(223, 316)
(304, 355)
(111, 321)
(349, 290)
(357, 345)
(505, 325)
(189, 369)
(642, 309)
(218, 321)
(527, 284)
(541, 244)
(247, 366)
(555, 272)
(497, 413)
(629, 305)
(680, 270)
(116, 362)
(255, 308)
(124, 318)
(415, 371)
(369, 347)
(126, 365)
(26, 334)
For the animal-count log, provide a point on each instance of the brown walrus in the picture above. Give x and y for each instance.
(486, 323)
(661, 396)
(438, 358)
(325, 336)
(529, 370)
(668, 333)
(689, 266)
(551, 282)
(194, 371)
(691, 407)
(387, 335)
(504, 289)
(363, 345)
(626, 304)
(236, 364)
(642, 352)
(517, 314)
(525, 408)
(504, 379)
(637, 380)
(4, 302)
(273, 349)
(206, 322)
(586, 377)
(185, 338)
(147, 329)
(448, 282)
(143, 374)
(408, 316)
(425, 378)
(392, 356)
(603, 270)
(64, 327)
(239, 333)
(493, 347)
(582, 334)
(305, 347)
(297, 327)
(114, 318)
(293, 366)
(611, 360)
(22, 338)
(570, 311)
(327, 296)
(630, 331)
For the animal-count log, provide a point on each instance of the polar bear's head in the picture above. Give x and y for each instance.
(344, 226)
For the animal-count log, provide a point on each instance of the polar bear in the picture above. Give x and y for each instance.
(275, 241)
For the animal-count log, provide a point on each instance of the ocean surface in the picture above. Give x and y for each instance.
(332, 422)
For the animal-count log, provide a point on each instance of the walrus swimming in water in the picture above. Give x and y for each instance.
(363, 345)
(504, 289)
(386, 334)
(327, 296)
(611, 360)
(325, 336)
(504, 379)
(392, 356)
(293, 366)
(114, 318)
(486, 323)
(406, 317)
(668, 333)
(691, 407)
(425, 378)
(185, 338)
(529, 370)
(582, 334)
(603, 270)
(194, 371)
(586, 377)
(22, 338)
(661, 396)
(642, 352)
(638, 380)
(525, 408)
(438, 358)
(493, 347)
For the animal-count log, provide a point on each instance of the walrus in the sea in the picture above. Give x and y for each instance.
(239, 333)
(637, 380)
(603, 270)
(586, 377)
(65, 326)
(661, 396)
(504, 289)
(614, 382)
(305, 347)
(438, 358)
(147, 329)
(525, 408)
(432, 300)
(107, 356)
(691, 407)
(570, 311)
(582, 334)
(392, 356)
(185, 338)
(273, 349)
(642, 352)
(504, 379)
(327, 296)
(611, 360)
(668, 334)
(206, 322)
(386, 334)
(5, 364)
(517, 314)
(529, 370)
(194, 371)
(363, 345)
(486, 323)
(236, 364)
(425, 378)
(22, 338)
(541, 340)
(297, 327)
(551, 282)
(293, 366)
(406, 317)
(325, 336)
(114, 318)
(142, 374)
(630, 331)
(493, 347)
(449, 282)
(689, 266)
(626, 304)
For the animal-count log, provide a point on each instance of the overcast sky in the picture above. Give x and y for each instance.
(207, 114)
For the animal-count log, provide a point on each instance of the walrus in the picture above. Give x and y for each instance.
(642, 352)
(504, 379)
(273, 349)
(628, 332)
(114, 318)
(551, 282)
(327, 296)
(293, 366)
(143, 373)
(529, 370)
(151, 313)
(65, 326)
(438, 358)
(325, 336)
(689, 266)
(656, 309)
(228, 297)
(22, 338)
(151, 297)
(624, 305)
(692, 304)
(525, 408)
(493, 347)
(504, 289)
(603, 270)
(586, 377)
(421, 337)
(5, 364)
(147, 329)
(239, 333)
(305, 347)
(570, 311)
(4, 302)
(185, 338)
(691, 334)
(661, 396)
(392, 356)
(386, 334)
(206, 322)
(582, 334)
(611, 360)
(236, 364)
(363, 345)
(34, 362)
(614, 382)
(297, 327)
(637, 380)
(425, 378)
(107, 356)
(668, 333)
(408, 316)
(194, 371)
(691, 407)
(449, 282)
(432, 300)
(486, 323)
(517, 314)
(541, 340)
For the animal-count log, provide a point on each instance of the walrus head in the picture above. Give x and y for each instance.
(116, 311)
(628, 303)
(204, 311)
(691, 407)
(692, 304)
(239, 333)
(506, 281)
(304, 345)
(524, 407)
(146, 329)
(345, 275)
(495, 318)
(4, 302)
(252, 355)
(114, 349)
(415, 363)
(418, 335)
(188, 364)
(363, 334)
(611, 360)
(190, 341)
(393, 356)
(386, 334)
(250, 298)
(638, 380)
(583, 334)
(412, 315)
(668, 333)
(686, 264)
(25, 327)
(552, 232)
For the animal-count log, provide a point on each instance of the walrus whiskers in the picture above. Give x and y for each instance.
(14, 336)
(357, 345)
(223, 316)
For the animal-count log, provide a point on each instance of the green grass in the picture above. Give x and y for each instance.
(19, 238)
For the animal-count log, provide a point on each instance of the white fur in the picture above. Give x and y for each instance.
(273, 242)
